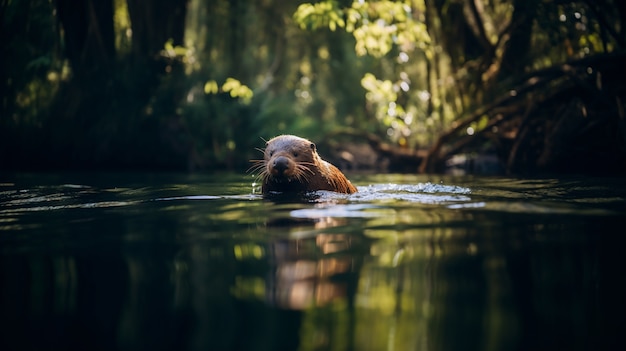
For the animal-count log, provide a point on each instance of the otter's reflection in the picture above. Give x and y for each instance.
(310, 271)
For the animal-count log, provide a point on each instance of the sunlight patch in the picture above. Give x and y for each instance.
(341, 211)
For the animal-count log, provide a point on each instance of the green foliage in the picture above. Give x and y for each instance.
(29, 72)
(237, 90)
(233, 87)
(376, 26)
(320, 15)
(380, 28)
(202, 89)
(172, 51)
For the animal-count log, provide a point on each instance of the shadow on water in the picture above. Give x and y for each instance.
(191, 262)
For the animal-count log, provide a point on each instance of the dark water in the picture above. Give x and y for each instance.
(201, 262)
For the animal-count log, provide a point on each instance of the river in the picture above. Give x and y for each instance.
(157, 261)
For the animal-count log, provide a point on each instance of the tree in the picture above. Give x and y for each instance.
(193, 84)
(488, 55)
(98, 115)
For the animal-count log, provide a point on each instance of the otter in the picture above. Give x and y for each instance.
(292, 165)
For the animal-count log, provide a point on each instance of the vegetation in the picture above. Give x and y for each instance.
(188, 84)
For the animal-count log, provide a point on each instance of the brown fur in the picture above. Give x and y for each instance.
(291, 164)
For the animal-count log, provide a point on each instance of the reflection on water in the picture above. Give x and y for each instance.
(190, 262)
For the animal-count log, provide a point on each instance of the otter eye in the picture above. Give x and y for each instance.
(295, 154)
(312, 146)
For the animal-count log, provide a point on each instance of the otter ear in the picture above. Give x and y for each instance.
(313, 146)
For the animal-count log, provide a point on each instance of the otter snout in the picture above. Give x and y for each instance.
(280, 165)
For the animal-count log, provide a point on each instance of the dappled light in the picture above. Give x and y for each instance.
(196, 262)
(345, 175)
(191, 85)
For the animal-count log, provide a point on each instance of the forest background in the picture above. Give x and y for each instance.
(383, 85)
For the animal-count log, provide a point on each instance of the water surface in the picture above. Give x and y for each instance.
(203, 262)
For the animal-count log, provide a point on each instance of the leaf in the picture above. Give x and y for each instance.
(211, 87)
(238, 90)
(230, 84)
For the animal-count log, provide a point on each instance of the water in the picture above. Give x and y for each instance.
(202, 262)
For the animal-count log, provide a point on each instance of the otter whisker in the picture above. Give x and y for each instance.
(255, 171)
(301, 172)
(256, 166)
(303, 168)
(301, 177)
(263, 177)
(257, 163)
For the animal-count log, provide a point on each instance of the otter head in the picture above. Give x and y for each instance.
(291, 165)
(289, 158)
(288, 165)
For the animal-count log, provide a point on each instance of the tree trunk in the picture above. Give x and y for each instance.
(516, 51)
(88, 32)
(154, 23)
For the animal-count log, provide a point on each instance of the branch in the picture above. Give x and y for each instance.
(556, 75)
(480, 28)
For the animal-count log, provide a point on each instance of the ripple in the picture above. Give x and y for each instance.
(192, 197)
(416, 188)
(424, 193)
(341, 211)
(102, 204)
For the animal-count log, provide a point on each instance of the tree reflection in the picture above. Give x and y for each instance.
(473, 284)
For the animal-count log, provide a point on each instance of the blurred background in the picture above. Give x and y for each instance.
(491, 86)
